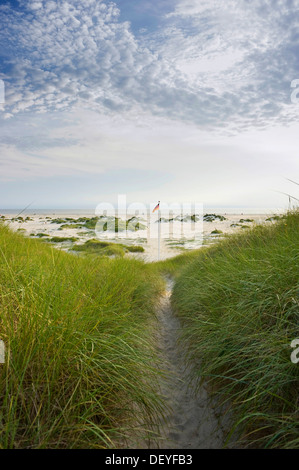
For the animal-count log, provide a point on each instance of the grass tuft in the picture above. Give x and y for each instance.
(80, 356)
(239, 304)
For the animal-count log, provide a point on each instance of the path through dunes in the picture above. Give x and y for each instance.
(191, 422)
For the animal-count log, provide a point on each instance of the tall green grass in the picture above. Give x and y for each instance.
(173, 266)
(239, 305)
(80, 361)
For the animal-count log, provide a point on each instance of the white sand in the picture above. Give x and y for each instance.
(172, 242)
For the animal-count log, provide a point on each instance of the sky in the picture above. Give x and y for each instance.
(171, 100)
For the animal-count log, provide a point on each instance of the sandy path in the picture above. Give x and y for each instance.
(191, 422)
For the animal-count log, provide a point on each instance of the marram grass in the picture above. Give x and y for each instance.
(239, 305)
(79, 369)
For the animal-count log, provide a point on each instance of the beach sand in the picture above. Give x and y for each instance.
(192, 419)
(173, 242)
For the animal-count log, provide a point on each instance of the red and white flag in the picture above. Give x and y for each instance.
(157, 207)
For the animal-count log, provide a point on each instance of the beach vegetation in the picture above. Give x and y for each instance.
(41, 235)
(106, 248)
(63, 239)
(238, 301)
(80, 367)
(213, 218)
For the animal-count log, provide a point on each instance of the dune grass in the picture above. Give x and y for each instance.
(63, 239)
(81, 367)
(173, 266)
(239, 305)
(95, 246)
(135, 248)
(80, 358)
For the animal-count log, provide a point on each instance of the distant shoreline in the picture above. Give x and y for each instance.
(91, 212)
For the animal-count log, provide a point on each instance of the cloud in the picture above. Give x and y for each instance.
(215, 64)
(202, 95)
(243, 50)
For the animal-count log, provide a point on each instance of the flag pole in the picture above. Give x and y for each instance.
(159, 232)
(157, 207)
